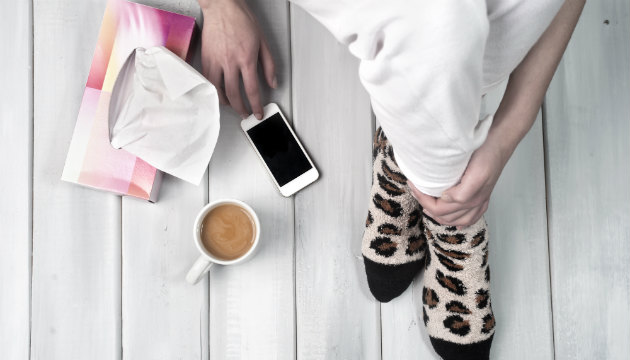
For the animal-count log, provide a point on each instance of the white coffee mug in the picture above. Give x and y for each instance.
(206, 260)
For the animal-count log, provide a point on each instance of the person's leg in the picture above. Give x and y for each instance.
(393, 243)
(400, 240)
(422, 65)
(457, 310)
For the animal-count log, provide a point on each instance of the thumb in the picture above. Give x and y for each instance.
(449, 194)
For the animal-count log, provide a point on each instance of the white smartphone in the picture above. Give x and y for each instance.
(280, 150)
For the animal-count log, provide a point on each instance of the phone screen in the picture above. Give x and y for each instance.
(279, 149)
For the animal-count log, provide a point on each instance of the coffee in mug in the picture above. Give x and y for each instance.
(228, 232)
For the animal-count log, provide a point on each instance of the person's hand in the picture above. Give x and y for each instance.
(232, 43)
(465, 203)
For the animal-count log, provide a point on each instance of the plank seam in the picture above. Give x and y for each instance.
(290, 64)
(380, 307)
(208, 277)
(122, 287)
(32, 172)
(547, 206)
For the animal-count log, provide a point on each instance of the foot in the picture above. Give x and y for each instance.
(456, 296)
(393, 243)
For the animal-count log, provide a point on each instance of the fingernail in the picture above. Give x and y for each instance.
(274, 82)
(258, 116)
(244, 116)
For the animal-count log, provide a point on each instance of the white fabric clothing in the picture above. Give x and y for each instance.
(426, 66)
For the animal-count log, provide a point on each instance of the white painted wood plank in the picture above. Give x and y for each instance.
(337, 317)
(252, 304)
(587, 122)
(519, 257)
(404, 335)
(163, 317)
(16, 122)
(76, 231)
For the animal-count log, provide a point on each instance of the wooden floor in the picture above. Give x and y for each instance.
(88, 275)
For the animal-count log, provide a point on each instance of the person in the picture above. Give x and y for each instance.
(426, 66)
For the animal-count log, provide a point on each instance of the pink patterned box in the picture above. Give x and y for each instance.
(91, 160)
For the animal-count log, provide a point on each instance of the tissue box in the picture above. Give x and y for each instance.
(91, 160)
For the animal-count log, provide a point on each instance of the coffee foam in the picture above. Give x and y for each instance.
(228, 231)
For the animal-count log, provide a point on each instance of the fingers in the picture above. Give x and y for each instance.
(250, 80)
(427, 201)
(460, 218)
(226, 77)
(233, 93)
(464, 218)
(474, 217)
(463, 192)
(269, 67)
(432, 204)
(248, 70)
(448, 219)
(215, 76)
(469, 187)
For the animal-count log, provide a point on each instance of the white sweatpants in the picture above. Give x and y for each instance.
(426, 65)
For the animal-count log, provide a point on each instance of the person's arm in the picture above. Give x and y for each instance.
(465, 203)
(529, 81)
(232, 44)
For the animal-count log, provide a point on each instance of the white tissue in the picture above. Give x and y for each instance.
(164, 112)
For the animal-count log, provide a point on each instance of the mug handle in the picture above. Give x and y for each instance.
(201, 266)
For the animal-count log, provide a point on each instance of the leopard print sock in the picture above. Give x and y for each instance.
(393, 244)
(457, 311)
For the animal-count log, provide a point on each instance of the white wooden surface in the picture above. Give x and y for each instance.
(336, 316)
(76, 231)
(106, 277)
(252, 305)
(588, 127)
(16, 123)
